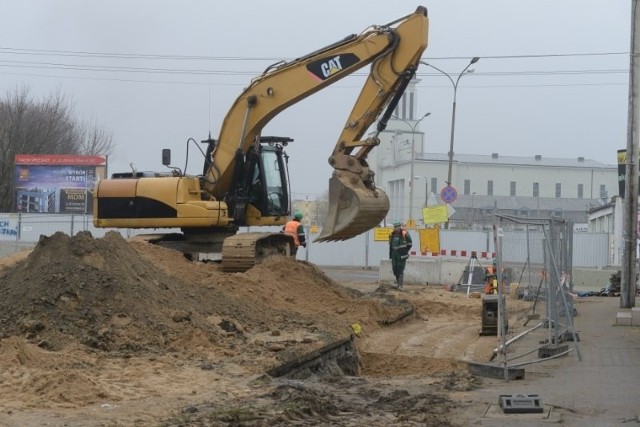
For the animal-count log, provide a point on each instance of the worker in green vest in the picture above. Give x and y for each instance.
(399, 246)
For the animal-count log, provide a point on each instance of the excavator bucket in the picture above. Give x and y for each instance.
(353, 209)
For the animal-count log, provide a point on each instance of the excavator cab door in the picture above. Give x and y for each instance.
(268, 186)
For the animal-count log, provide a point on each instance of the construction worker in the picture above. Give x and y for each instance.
(399, 245)
(491, 279)
(295, 229)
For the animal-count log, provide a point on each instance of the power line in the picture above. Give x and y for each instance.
(242, 84)
(62, 66)
(49, 52)
(546, 55)
(83, 54)
(153, 70)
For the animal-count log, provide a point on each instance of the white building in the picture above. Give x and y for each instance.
(608, 219)
(516, 185)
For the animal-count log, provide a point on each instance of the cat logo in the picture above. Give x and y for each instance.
(328, 67)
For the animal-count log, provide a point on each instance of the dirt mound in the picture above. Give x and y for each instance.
(123, 298)
(96, 329)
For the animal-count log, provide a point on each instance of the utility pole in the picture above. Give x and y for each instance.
(628, 281)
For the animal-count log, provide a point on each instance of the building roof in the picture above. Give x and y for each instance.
(496, 159)
(477, 201)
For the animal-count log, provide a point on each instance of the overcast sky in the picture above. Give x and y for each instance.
(552, 78)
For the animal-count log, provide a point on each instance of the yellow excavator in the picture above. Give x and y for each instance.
(244, 181)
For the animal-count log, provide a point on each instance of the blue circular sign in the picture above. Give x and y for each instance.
(449, 194)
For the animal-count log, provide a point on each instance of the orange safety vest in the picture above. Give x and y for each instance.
(291, 228)
(489, 285)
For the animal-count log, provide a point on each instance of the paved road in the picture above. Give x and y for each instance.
(601, 390)
(352, 274)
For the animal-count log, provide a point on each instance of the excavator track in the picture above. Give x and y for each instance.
(243, 251)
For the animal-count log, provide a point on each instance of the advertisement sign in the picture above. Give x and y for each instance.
(56, 183)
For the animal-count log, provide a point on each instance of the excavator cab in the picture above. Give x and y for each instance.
(260, 187)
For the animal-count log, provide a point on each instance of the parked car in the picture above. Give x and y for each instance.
(609, 291)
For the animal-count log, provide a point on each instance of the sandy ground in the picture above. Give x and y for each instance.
(106, 332)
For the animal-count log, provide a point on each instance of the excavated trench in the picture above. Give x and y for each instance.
(337, 358)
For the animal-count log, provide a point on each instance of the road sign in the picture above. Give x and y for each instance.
(449, 194)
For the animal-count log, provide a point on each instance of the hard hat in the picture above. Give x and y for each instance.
(297, 215)
(397, 224)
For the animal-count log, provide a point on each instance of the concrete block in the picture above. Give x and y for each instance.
(550, 350)
(635, 312)
(520, 404)
(623, 318)
(635, 321)
(493, 371)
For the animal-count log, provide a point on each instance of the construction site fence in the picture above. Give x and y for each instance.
(591, 250)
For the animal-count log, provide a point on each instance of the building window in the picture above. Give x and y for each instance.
(467, 187)
(489, 188)
(558, 190)
(580, 191)
(398, 200)
(512, 188)
(434, 185)
(411, 101)
(536, 189)
(603, 191)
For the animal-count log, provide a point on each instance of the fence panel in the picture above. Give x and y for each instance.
(590, 249)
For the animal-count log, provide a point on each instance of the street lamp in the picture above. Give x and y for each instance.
(411, 222)
(453, 110)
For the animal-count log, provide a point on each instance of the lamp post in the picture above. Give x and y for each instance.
(411, 222)
(453, 110)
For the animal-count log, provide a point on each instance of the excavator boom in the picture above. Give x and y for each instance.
(393, 50)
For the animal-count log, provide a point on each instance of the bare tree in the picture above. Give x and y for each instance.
(28, 126)
(94, 140)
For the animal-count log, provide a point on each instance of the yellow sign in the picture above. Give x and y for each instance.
(313, 229)
(435, 215)
(622, 157)
(411, 224)
(381, 234)
(429, 240)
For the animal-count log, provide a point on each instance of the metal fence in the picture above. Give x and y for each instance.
(546, 253)
(592, 249)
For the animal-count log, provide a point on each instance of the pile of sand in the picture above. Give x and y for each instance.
(125, 298)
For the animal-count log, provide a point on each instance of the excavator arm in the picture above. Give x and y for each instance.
(394, 51)
(355, 204)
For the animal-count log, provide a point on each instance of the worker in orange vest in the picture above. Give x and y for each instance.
(295, 229)
(491, 279)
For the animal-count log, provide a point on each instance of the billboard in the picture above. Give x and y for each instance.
(56, 183)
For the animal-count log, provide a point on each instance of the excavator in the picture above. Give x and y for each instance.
(244, 181)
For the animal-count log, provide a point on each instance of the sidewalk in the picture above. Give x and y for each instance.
(601, 390)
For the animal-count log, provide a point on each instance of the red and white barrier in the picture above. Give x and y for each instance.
(456, 254)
